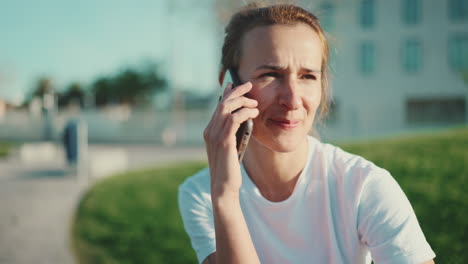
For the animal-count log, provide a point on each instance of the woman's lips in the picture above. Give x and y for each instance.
(285, 123)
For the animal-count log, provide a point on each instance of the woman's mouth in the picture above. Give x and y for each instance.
(285, 123)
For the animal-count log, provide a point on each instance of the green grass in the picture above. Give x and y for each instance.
(4, 149)
(133, 217)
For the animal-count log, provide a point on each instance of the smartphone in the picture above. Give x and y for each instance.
(245, 129)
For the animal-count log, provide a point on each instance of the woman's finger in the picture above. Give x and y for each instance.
(236, 91)
(226, 90)
(231, 105)
(234, 120)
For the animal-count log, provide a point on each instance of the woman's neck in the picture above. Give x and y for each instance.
(275, 173)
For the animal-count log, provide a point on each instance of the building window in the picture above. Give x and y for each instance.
(458, 10)
(327, 15)
(367, 58)
(411, 11)
(367, 13)
(434, 111)
(458, 52)
(412, 56)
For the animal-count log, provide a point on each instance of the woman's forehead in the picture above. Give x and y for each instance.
(281, 45)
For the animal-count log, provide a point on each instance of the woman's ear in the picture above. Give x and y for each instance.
(222, 73)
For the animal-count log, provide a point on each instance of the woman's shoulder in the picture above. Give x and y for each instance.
(345, 165)
(198, 182)
(335, 154)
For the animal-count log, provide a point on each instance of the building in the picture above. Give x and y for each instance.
(396, 65)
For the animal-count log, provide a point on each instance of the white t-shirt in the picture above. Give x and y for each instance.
(344, 209)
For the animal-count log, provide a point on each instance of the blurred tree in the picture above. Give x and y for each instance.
(133, 86)
(129, 84)
(43, 86)
(102, 89)
(73, 94)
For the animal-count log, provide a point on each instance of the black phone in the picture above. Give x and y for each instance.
(245, 129)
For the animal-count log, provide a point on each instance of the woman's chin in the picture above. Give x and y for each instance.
(283, 144)
(287, 147)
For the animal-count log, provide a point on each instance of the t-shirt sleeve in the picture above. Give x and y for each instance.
(387, 223)
(198, 222)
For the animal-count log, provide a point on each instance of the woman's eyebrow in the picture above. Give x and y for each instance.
(270, 67)
(312, 70)
(279, 67)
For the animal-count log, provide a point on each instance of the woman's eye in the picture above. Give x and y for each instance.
(309, 77)
(270, 74)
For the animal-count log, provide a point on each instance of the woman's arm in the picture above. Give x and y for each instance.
(231, 237)
(233, 241)
(387, 223)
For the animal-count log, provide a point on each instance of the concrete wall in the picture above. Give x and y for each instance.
(137, 127)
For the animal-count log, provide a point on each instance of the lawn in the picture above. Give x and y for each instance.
(133, 217)
(4, 149)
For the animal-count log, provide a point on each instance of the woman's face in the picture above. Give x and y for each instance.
(283, 62)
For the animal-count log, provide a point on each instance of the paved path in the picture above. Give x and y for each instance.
(37, 201)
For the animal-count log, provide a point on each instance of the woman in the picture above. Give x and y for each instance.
(293, 199)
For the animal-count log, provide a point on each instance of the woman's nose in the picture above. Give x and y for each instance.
(290, 96)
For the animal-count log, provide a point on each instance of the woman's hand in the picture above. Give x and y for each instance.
(220, 137)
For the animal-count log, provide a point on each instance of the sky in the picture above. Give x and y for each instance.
(79, 41)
